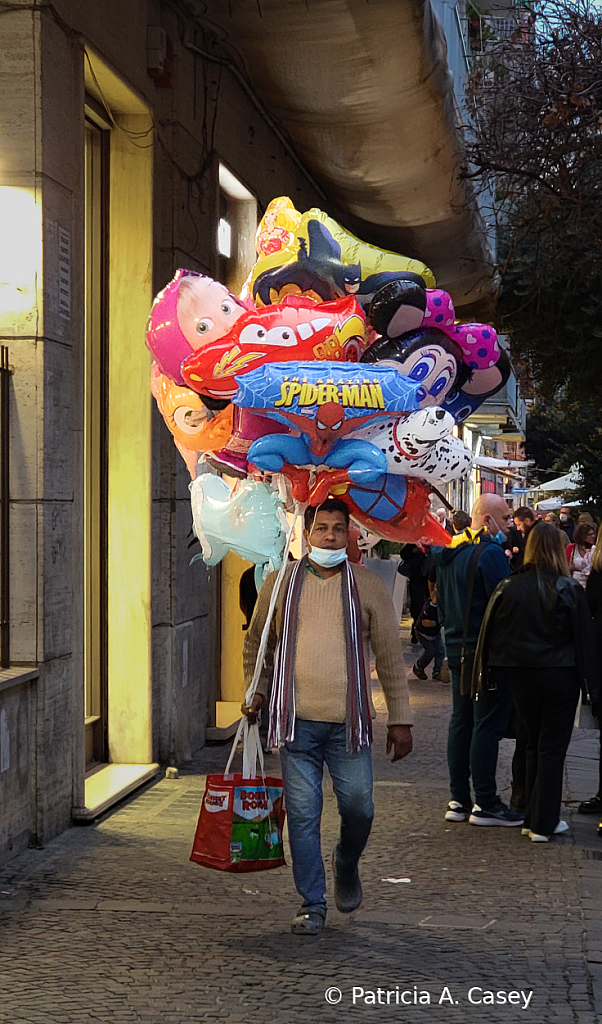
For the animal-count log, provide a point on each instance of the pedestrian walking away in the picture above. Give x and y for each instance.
(460, 520)
(327, 614)
(537, 637)
(467, 574)
(414, 565)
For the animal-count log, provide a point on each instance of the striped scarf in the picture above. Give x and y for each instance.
(282, 699)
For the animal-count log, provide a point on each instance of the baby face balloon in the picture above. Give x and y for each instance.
(192, 311)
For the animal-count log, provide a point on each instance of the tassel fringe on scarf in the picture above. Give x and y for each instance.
(282, 700)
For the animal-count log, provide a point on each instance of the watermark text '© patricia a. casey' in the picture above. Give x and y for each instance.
(472, 995)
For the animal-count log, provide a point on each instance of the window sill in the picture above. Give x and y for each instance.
(16, 676)
(107, 784)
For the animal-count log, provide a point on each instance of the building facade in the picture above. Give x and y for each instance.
(129, 132)
(121, 148)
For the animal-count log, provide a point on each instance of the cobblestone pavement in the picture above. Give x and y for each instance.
(112, 923)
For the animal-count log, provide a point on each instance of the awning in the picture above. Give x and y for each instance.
(500, 465)
(365, 93)
(549, 505)
(568, 482)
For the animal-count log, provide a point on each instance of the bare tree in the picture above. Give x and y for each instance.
(535, 147)
(535, 137)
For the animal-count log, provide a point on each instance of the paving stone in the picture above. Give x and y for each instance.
(113, 923)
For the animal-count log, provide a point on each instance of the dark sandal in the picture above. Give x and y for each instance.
(307, 922)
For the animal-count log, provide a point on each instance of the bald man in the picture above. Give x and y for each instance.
(476, 726)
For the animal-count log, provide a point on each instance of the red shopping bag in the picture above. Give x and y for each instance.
(242, 816)
(240, 824)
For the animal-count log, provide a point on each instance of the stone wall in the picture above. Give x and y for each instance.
(203, 117)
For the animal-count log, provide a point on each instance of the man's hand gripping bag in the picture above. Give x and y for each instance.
(242, 816)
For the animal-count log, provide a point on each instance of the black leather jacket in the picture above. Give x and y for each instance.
(537, 620)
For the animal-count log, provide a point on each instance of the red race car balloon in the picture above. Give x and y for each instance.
(297, 329)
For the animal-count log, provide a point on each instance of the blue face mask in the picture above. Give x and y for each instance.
(327, 559)
(499, 537)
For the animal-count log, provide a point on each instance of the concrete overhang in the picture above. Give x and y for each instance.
(365, 94)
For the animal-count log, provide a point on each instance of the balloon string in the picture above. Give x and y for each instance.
(241, 733)
(299, 509)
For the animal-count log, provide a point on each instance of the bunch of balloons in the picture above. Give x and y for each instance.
(340, 369)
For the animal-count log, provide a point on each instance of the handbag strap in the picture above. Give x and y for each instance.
(472, 572)
(252, 751)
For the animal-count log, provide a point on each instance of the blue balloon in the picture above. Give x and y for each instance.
(248, 519)
(291, 392)
(384, 499)
(363, 460)
(461, 406)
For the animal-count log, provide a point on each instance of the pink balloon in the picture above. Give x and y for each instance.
(439, 310)
(189, 313)
(479, 344)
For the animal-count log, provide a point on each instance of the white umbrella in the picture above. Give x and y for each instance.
(569, 482)
(549, 505)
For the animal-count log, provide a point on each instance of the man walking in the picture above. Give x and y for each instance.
(567, 523)
(476, 726)
(327, 613)
(524, 519)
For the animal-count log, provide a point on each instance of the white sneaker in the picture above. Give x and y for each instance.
(560, 828)
(456, 811)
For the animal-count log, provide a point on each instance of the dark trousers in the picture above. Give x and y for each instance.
(475, 730)
(517, 730)
(546, 699)
(418, 593)
(432, 647)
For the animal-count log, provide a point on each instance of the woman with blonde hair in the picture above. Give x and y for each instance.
(586, 517)
(537, 635)
(593, 593)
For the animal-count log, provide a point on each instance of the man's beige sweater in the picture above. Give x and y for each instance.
(320, 658)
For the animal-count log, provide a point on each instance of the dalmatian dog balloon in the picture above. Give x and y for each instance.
(421, 444)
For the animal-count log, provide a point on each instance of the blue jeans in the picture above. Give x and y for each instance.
(475, 730)
(433, 648)
(351, 773)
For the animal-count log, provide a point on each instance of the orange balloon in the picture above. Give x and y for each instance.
(187, 417)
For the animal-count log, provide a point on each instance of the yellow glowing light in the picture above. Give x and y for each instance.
(20, 252)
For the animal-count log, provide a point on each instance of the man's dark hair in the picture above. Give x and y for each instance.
(330, 505)
(460, 521)
(524, 512)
